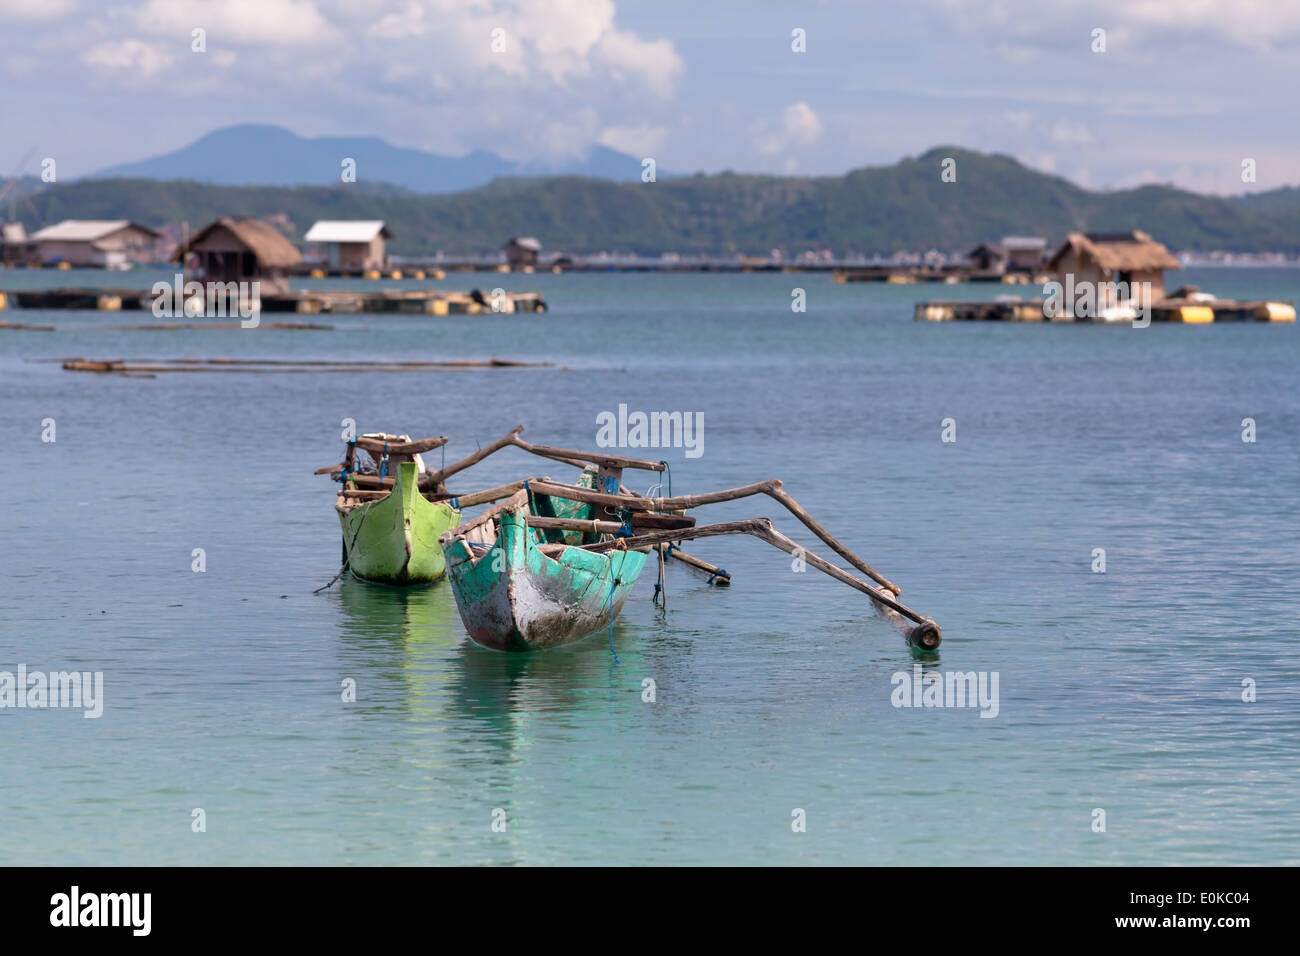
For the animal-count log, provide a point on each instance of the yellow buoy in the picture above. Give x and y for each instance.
(372, 274)
(318, 273)
(65, 266)
(1275, 312)
(1195, 314)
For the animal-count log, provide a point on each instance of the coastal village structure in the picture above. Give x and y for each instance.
(240, 250)
(353, 245)
(1130, 258)
(14, 247)
(522, 251)
(102, 243)
(1012, 254)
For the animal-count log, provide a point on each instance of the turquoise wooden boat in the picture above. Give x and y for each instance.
(524, 588)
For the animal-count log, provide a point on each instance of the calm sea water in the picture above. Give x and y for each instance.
(1119, 691)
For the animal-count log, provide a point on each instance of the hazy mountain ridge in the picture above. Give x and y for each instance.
(262, 155)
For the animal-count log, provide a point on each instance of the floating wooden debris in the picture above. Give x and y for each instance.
(265, 366)
(26, 327)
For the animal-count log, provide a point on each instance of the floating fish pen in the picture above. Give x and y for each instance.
(1190, 312)
(908, 275)
(311, 302)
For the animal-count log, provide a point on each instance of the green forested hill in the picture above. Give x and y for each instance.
(877, 209)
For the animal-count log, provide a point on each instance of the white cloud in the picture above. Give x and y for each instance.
(1071, 133)
(135, 56)
(35, 9)
(292, 23)
(640, 141)
(1254, 24)
(798, 128)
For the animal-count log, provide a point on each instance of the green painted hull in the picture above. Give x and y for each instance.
(513, 597)
(394, 540)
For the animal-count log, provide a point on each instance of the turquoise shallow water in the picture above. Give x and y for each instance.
(1119, 691)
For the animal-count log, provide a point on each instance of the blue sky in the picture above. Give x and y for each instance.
(1183, 93)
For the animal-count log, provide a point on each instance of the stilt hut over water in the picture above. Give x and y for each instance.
(522, 251)
(1131, 258)
(105, 243)
(354, 245)
(240, 250)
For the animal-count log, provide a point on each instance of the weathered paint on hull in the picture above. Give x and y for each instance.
(515, 598)
(394, 540)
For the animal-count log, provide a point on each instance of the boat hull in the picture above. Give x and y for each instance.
(394, 540)
(514, 597)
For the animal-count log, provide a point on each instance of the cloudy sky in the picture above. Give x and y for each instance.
(1184, 91)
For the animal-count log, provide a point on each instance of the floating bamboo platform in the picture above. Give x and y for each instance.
(949, 275)
(308, 302)
(1168, 310)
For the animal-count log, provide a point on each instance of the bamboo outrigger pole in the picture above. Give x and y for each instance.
(926, 634)
(771, 488)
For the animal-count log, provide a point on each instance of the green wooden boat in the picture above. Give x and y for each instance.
(523, 588)
(393, 539)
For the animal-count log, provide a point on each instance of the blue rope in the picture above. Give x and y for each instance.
(455, 503)
(383, 465)
(720, 573)
(669, 472)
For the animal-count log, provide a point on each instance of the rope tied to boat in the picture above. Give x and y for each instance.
(383, 464)
(661, 584)
(720, 573)
(612, 586)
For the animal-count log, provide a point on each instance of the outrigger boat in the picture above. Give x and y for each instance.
(523, 581)
(393, 509)
(523, 574)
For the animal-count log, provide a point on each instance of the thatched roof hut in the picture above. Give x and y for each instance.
(1116, 252)
(241, 250)
(1132, 259)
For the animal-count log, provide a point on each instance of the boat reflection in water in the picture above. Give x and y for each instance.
(410, 649)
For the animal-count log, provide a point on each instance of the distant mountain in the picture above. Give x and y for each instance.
(259, 155)
(878, 209)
